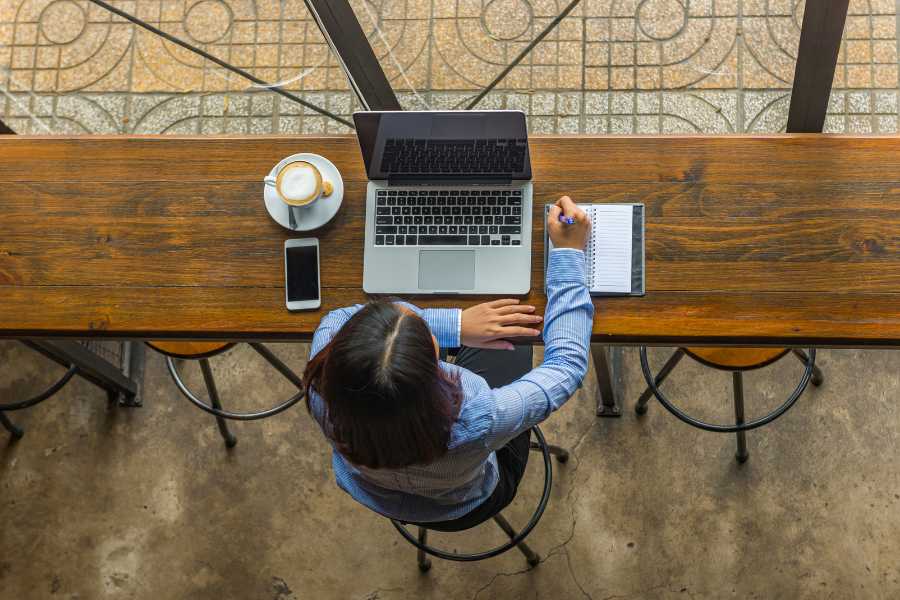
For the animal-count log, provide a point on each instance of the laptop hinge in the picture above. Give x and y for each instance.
(431, 180)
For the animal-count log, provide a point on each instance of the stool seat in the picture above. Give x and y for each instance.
(736, 359)
(189, 350)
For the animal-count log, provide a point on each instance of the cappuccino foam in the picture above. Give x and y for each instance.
(298, 183)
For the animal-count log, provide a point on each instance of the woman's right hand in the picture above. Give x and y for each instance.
(568, 236)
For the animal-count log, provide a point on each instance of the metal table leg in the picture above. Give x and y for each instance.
(607, 364)
(95, 369)
(134, 370)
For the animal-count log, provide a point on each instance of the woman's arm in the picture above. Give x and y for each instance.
(487, 325)
(568, 321)
(444, 323)
(567, 336)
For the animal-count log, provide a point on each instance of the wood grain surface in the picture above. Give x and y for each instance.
(791, 240)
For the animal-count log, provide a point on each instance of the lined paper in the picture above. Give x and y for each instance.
(609, 247)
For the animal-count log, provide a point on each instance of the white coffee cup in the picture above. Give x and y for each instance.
(299, 183)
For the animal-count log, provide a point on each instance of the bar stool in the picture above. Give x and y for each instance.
(202, 352)
(516, 539)
(736, 360)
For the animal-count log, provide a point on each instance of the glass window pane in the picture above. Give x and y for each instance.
(864, 96)
(69, 66)
(629, 66)
(610, 66)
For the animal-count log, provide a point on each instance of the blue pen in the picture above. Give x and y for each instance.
(566, 220)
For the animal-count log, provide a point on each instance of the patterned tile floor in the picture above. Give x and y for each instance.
(612, 66)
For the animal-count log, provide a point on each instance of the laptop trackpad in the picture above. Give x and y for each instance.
(446, 270)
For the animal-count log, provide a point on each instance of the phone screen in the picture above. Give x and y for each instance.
(302, 273)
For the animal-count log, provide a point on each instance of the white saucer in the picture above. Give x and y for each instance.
(319, 212)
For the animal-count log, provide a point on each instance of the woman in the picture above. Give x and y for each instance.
(423, 441)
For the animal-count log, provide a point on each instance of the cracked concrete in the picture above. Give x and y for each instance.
(101, 502)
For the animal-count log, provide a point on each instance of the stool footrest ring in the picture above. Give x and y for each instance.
(759, 422)
(515, 540)
(46, 394)
(225, 414)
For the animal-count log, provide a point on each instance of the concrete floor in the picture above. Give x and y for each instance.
(101, 502)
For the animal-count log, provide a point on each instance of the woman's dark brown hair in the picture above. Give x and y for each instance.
(388, 403)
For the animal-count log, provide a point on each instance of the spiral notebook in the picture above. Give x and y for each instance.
(615, 249)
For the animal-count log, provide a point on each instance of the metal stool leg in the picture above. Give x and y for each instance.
(742, 454)
(10, 427)
(561, 454)
(422, 558)
(530, 555)
(641, 406)
(230, 440)
(278, 364)
(817, 378)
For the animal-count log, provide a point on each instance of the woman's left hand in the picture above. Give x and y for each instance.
(488, 325)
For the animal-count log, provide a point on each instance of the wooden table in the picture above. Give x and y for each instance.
(787, 240)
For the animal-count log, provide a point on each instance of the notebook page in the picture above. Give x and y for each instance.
(609, 248)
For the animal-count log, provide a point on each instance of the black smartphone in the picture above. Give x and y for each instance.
(301, 274)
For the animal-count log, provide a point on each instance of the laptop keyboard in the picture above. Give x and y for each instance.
(416, 156)
(477, 217)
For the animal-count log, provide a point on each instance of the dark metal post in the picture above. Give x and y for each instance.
(134, 371)
(820, 41)
(347, 40)
(606, 382)
(738, 379)
(422, 558)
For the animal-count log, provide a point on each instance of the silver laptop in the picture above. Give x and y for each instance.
(448, 207)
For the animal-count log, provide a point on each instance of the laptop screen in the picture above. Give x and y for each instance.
(444, 145)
